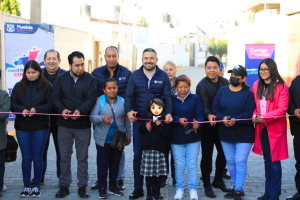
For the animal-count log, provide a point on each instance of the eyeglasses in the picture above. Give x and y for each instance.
(263, 70)
(188, 131)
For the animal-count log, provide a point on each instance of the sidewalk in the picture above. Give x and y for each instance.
(254, 185)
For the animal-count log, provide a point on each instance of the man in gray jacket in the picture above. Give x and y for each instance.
(4, 107)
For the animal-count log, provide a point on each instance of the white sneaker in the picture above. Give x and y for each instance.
(193, 194)
(4, 188)
(178, 195)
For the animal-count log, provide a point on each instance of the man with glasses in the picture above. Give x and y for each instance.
(143, 85)
(207, 89)
(113, 69)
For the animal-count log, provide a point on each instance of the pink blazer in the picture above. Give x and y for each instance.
(277, 127)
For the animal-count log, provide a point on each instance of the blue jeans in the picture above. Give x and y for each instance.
(137, 157)
(236, 156)
(2, 168)
(121, 174)
(186, 155)
(32, 144)
(273, 170)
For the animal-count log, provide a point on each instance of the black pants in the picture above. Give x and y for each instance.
(210, 137)
(108, 159)
(295, 130)
(53, 129)
(2, 168)
(169, 152)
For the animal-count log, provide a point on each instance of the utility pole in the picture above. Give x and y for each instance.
(36, 12)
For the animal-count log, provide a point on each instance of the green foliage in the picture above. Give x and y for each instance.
(219, 48)
(259, 42)
(11, 7)
(212, 47)
(222, 47)
(143, 21)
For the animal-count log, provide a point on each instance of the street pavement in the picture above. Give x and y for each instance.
(254, 185)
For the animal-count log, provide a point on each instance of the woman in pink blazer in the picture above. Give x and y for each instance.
(271, 98)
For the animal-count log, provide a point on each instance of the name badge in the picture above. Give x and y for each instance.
(158, 82)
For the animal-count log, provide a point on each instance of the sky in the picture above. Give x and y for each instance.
(190, 12)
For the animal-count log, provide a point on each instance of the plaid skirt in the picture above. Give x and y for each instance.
(153, 163)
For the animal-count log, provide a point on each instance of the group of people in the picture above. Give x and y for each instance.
(223, 113)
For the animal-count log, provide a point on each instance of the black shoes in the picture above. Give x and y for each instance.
(63, 192)
(121, 185)
(294, 197)
(238, 195)
(95, 186)
(209, 192)
(229, 195)
(102, 194)
(161, 196)
(115, 190)
(220, 185)
(226, 175)
(137, 193)
(264, 197)
(163, 183)
(83, 193)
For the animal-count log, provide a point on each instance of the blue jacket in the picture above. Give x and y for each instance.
(191, 108)
(138, 95)
(46, 74)
(123, 75)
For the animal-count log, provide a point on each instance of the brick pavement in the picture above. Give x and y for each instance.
(254, 185)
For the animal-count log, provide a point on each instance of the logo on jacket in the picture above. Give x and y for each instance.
(158, 82)
(122, 78)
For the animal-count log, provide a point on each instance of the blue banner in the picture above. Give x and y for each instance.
(254, 54)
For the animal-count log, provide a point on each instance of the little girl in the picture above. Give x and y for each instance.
(155, 137)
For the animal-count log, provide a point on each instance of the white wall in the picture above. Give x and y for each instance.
(274, 30)
(175, 52)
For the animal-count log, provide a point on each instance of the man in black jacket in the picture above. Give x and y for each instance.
(207, 89)
(74, 93)
(113, 69)
(294, 109)
(51, 71)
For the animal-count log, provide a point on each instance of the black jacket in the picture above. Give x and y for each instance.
(157, 138)
(33, 99)
(207, 91)
(53, 118)
(294, 100)
(80, 96)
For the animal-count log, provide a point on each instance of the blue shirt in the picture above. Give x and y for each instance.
(238, 105)
(74, 78)
(112, 129)
(149, 78)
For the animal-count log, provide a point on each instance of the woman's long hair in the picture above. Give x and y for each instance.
(43, 84)
(275, 79)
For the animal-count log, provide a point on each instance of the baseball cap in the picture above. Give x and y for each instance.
(221, 65)
(239, 70)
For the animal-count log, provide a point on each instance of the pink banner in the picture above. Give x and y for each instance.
(260, 51)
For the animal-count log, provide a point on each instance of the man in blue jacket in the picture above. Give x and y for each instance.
(143, 85)
(113, 69)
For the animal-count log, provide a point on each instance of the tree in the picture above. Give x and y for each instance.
(222, 47)
(143, 21)
(212, 47)
(11, 7)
